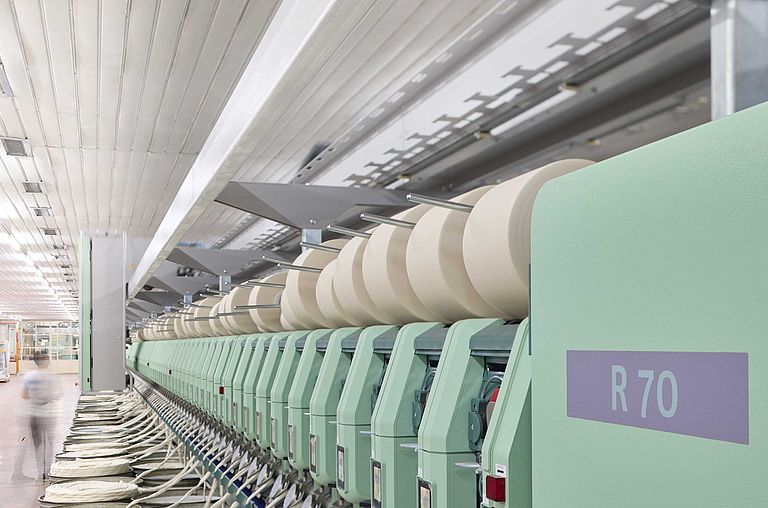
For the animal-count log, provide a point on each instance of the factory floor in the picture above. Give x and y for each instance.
(16, 440)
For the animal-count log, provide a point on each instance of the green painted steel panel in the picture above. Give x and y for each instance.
(663, 248)
(281, 387)
(299, 397)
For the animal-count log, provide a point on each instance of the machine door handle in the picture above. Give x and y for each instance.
(467, 465)
(307, 414)
(332, 422)
(366, 432)
(410, 446)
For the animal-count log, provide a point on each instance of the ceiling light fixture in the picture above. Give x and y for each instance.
(32, 187)
(49, 231)
(42, 211)
(16, 147)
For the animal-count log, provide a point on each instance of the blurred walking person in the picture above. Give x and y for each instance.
(40, 389)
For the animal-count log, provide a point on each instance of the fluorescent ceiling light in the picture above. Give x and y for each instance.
(42, 211)
(32, 187)
(16, 147)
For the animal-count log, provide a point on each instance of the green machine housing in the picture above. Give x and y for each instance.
(262, 409)
(324, 404)
(455, 421)
(281, 387)
(312, 349)
(248, 349)
(247, 418)
(353, 429)
(649, 270)
(398, 413)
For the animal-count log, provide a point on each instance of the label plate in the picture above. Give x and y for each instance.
(691, 393)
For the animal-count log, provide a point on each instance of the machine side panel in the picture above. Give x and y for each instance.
(661, 249)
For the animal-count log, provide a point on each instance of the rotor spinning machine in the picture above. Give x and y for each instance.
(518, 344)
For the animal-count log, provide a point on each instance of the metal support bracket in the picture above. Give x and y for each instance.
(308, 207)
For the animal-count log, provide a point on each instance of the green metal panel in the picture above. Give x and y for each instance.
(394, 440)
(210, 371)
(261, 348)
(237, 382)
(354, 415)
(190, 347)
(507, 446)
(458, 379)
(225, 359)
(201, 345)
(299, 397)
(444, 431)
(323, 406)
(663, 248)
(201, 369)
(263, 413)
(85, 313)
(236, 357)
(284, 378)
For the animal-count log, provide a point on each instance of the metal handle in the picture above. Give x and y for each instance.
(467, 465)
(347, 231)
(317, 246)
(300, 268)
(442, 203)
(282, 264)
(366, 432)
(270, 259)
(389, 221)
(259, 306)
(263, 284)
(410, 446)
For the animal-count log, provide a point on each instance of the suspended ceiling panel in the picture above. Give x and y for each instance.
(116, 98)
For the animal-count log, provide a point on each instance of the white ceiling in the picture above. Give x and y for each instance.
(116, 98)
(119, 97)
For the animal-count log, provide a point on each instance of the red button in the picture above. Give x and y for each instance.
(495, 488)
(221, 390)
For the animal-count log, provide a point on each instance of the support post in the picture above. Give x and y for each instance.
(739, 53)
(102, 311)
(314, 236)
(225, 282)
